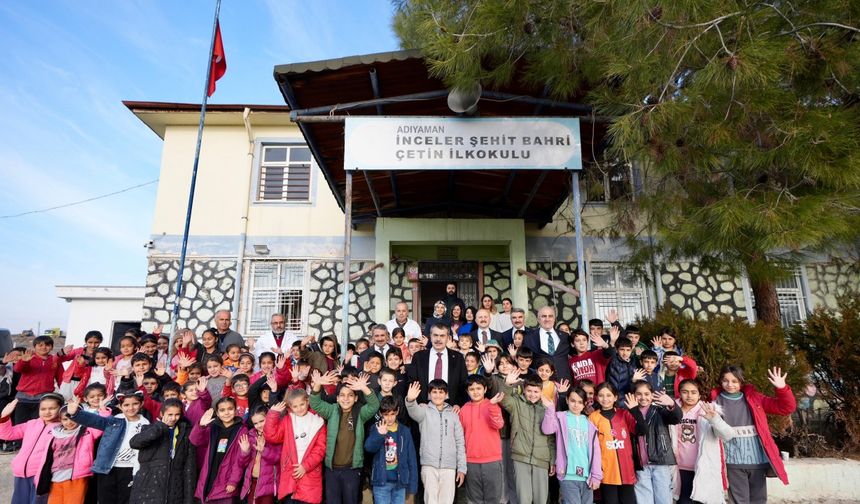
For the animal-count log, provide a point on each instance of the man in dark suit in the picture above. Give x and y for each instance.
(518, 320)
(439, 362)
(379, 342)
(546, 341)
(482, 332)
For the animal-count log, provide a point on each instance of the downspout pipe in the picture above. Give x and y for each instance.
(243, 237)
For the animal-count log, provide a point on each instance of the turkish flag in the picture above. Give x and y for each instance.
(219, 60)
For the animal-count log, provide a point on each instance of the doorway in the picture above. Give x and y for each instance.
(434, 276)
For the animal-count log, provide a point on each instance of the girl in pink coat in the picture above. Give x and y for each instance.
(36, 436)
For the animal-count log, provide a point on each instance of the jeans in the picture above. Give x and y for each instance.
(389, 494)
(654, 485)
(575, 492)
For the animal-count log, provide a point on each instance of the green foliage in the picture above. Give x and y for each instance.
(720, 340)
(829, 342)
(744, 117)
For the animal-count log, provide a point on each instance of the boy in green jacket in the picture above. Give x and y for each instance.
(344, 452)
(532, 451)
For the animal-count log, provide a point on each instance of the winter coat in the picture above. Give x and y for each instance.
(40, 375)
(438, 429)
(481, 423)
(710, 481)
(232, 467)
(688, 371)
(407, 464)
(86, 372)
(618, 372)
(81, 465)
(113, 428)
(194, 412)
(528, 443)
(310, 487)
(267, 480)
(162, 479)
(760, 406)
(332, 412)
(36, 436)
(654, 426)
(556, 423)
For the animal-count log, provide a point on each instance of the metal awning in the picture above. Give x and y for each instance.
(320, 93)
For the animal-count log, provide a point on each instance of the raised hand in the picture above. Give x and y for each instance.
(452, 345)
(630, 401)
(186, 362)
(598, 341)
(160, 369)
(186, 339)
(244, 444)
(7, 411)
(280, 407)
(104, 402)
(28, 355)
(513, 377)
(360, 383)
(261, 443)
(414, 390)
(67, 349)
(201, 383)
(481, 347)
(207, 417)
(672, 359)
(496, 399)
(72, 405)
(281, 361)
(656, 342)
(8, 357)
(488, 363)
(512, 350)
(338, 370)
(614, 334)
(776, 377)
(547, 402)
(226, 373)
(562, 386)
(272, 383)
(612, 316)
(639, 374)
(708, 410)
(381, 428)
(664, 399)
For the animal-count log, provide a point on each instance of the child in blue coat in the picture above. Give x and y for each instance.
(395, 465)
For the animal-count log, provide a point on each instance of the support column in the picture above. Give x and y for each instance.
(382, 296)
(347, 245)
(519, 284)
(580, 255)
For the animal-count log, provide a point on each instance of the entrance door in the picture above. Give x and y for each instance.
(434, 276)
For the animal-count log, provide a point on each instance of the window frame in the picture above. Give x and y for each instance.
(259, 145)
(251, 289)
(644, 290)
(800, 290)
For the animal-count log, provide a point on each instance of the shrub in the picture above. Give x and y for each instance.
(830, 341)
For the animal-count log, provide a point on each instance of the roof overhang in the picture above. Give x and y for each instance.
(159, 115)
(398, 84)
(102, 292)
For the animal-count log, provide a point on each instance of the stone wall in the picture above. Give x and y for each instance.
(540, 295)
(326, 295)
(208, 285)
(829, 280)
(497, 280)
(400, 288)
(692, 289)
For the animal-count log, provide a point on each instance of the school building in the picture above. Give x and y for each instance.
(267, 232)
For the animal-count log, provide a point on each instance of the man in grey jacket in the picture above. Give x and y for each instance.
(443, 464)
(226, 336)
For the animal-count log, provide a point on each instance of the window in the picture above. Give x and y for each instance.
(609, 180)
(285, 173)
(276, 287)
(789, 293)
(620, 288)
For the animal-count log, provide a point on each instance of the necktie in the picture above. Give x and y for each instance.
(484, 336)
(437, 373)
(381, 350)
(550, 343)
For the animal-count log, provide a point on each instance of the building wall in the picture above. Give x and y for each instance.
(828, 280)
(692, 289)
(99, 315)
(540, 295)
(497, 280)
(326, 296)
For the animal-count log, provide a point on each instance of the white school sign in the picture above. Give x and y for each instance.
(454, 143)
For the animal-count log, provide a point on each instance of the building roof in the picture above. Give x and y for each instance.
(72, 292)
(398, 84)
(159, 115)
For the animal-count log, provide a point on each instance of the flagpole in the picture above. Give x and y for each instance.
(179, 284)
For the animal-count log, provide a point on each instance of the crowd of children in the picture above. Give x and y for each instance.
(198, 423)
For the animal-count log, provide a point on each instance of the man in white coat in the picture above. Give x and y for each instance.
(401, 319)
(278, 341)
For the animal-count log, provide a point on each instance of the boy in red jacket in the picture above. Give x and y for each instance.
(40, 373)
(482, 419)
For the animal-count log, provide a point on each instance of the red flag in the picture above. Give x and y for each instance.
(219, 59)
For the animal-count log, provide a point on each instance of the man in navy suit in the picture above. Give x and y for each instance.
(442, 363)
(546, 341)
(518, 320)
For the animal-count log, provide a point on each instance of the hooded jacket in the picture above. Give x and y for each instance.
(710, 481)
(407, 465)
(654, 426)
(280, 430)
(528, 442)
(556, 423)
(36, 440)
(267, 480)
(230, 471)
(163, 479)
(438, 429)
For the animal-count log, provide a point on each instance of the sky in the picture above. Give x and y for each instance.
(65, 135)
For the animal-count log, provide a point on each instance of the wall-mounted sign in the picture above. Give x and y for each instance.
(454, 143)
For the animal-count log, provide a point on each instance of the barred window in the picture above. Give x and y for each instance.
(285, 173)
(276, 287)
(790, 296)
(620, 288)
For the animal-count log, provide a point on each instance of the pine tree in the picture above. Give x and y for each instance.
(743, 116)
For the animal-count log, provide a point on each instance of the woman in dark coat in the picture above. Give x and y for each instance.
(162, 478)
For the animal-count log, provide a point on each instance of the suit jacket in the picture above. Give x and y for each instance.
(419, 371)
(559, 358)
(496, 335)
(365, 354)
(507, 337)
